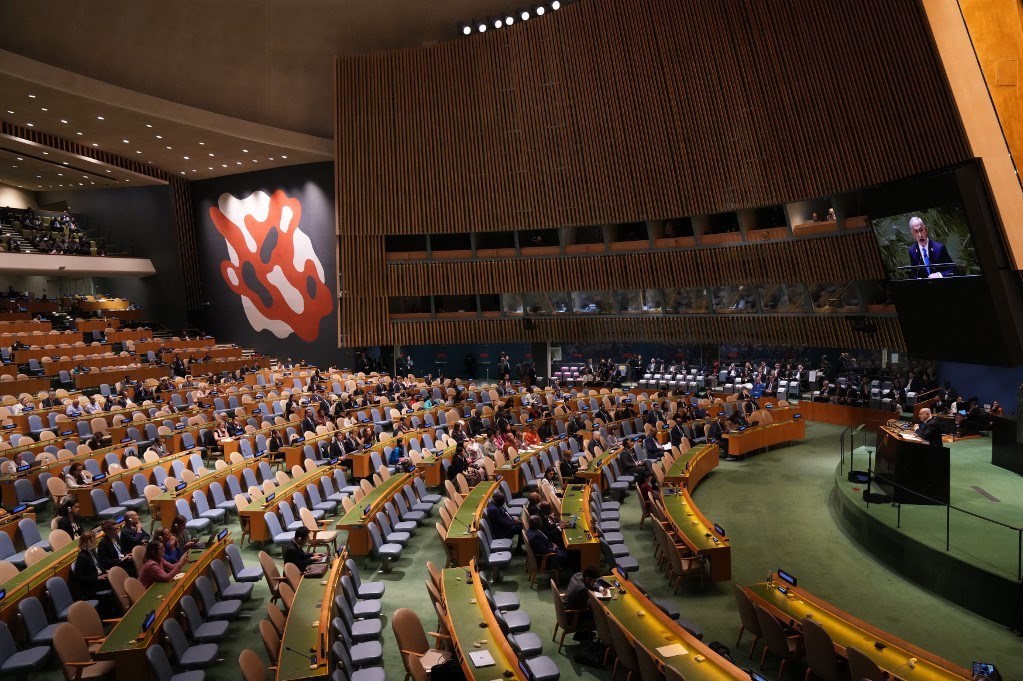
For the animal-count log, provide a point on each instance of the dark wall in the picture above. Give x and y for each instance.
(140, 221)
(984, 382)
(258, 298)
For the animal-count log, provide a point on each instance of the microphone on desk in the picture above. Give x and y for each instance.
(311, 655)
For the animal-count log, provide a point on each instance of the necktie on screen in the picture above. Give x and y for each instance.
(927, 258)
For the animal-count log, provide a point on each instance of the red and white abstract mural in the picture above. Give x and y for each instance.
(271, 264)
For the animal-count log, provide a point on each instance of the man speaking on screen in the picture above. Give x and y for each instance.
(929, 257)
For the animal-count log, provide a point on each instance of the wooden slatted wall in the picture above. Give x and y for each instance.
(615, 111)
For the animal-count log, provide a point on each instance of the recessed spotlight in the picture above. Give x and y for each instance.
(193, 170)
(44, 108)
(138, 151)
(211, 155)
(283, 156)
(270, 159)
(94, 144)
(148, 125)
(182, 172)
(170, 147)
(65, 162)
(31, 96)
(159, 137)
(126, 141)
(78, 133)
(255, 161)
(46, 153)
(482, 27)
(62, 120)
(245, 151)
(20, 158)
(100, 118)
(15, 165)
(30, 125)
(539, 10)
(466, 30)
(209, 168)
(224, 164)
(509, 20)
(524, 15)
(555, 5)
(39, 177)
(202, 144)
(238, 163)
(9, 111)
(108, 171)
(60, 174)
(498, 23)
(185, 157)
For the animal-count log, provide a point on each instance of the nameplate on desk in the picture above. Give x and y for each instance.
(20, 508)
(223, 533)
(148, 622)
(180, 426)
(181, 486)
(720, 530)
(127, 439)
(119, 519)
(67, 432)
(98, 477)
(269, 498)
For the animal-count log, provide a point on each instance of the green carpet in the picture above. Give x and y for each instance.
(775, 509)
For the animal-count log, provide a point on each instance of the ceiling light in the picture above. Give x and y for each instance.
(62, 120)
(283, 156)
(467, 29)
(540, 10)
(245, 151)
(126, 141)
(270, 159)
(159, 137)
(223, 164)
(170, 147)
(193, 170)
(100, 118)
(555, 5)
(65, 162)
(498, 23)
(525, 15)
(482, 28)
(31, 96)
(94, 144)
(9, 111)
(108, 171)
(255, 161)
(44, 109)
(185, 157)
(211, 155)
(46, 153)
(202, 144)
(85, 176)
(509, 20)
(30, 125)
(138, 151)
(20, 158)
(60, 174)
(78, 133)
(148, 125)
(238, 162)
(182, 172)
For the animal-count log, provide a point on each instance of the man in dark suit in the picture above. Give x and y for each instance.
(294, 553)
(542, 546)
(309, 423)
(502, 524)
(676, 434)
(929, 428)
(930, 257)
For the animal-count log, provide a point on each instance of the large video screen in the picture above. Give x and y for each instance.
(934, 243)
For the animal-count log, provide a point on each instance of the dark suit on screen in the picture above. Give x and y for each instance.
(940, 260)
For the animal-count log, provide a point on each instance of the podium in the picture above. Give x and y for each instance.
(909, 470)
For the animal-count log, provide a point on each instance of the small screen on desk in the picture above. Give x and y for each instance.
(786, 577)
(181, 486)
(720, 530)
(24, 467)
(222, 534)
(67, 432)
(19, 508)
(269, 498)
(148, 622)
(119, 519)
(98, 477)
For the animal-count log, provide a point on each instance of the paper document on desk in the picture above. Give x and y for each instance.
(482, 658)
(431, 658)
(674, 650)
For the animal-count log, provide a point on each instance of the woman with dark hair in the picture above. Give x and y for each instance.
(179, 541)
(77, 476)
(70, 521)
(155, 567)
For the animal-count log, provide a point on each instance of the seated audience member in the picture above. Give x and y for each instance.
(548, 483)
(502, 524)
(551, 524)
(90, 577)
(543, 547)
(133, 533)
(576, 595)
(155, 568)
(109, 552)
(69, 520)
(295, 553)
(77, 476)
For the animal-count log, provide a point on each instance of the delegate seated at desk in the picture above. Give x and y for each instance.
(929, 428)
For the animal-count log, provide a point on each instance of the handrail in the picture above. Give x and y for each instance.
(948, 519)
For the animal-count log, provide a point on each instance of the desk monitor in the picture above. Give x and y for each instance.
(786, 577)
(148, 622)
(984, 669)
